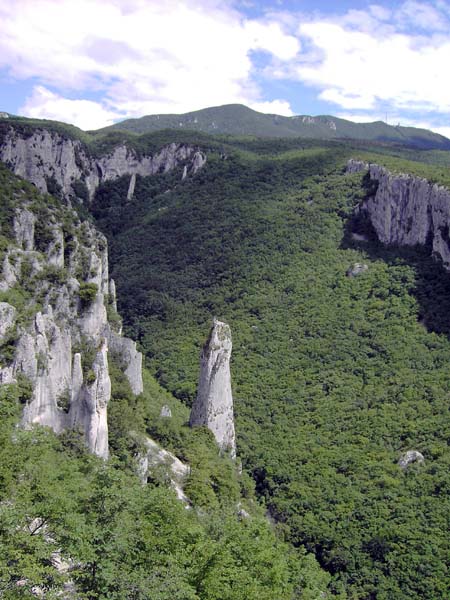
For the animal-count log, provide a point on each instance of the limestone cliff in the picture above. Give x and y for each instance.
(213, 406)
(406, 210)
(47, 158)
(54, 330)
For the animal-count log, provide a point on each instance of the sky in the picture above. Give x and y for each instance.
(93, 63)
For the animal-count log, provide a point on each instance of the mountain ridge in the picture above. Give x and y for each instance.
(238, 119)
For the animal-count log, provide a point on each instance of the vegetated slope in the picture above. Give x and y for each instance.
(237, 119)
(111, 536)
(334, 377)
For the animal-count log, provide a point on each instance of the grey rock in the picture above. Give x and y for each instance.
(7, 375)
(93, 320)
(7, 318)
(155, 457)
(46, 154)
(198, 162)
(113, 294)
(360, 237)
(213, 406)
(24, 221)
(410, 457)
(356, 166)
(90, 414)
(44, 356)
(131, 187)
(166, 412)
(357, 269)
(55, 250)
(407, 210)
(9, 278)
(125, 350)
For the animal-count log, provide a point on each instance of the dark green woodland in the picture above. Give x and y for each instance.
(334, 378)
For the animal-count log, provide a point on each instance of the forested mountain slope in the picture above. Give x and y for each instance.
(335, 377)
(71, 524)
(340, 367)
(237, 119)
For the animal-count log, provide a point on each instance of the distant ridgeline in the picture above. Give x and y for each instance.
(340, 351)
(239, 120)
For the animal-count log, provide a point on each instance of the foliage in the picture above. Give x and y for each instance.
(87, 293)
(118, 536)
(333, 377)
(236, 119)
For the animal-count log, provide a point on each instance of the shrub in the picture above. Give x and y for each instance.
(87, 293)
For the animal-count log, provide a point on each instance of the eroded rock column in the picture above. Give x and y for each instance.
(213, 406)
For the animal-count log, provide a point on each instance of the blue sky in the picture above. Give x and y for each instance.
(93, 63)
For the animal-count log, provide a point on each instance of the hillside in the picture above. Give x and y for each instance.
(337, 371)
(237, 119)
(73, 524)
(325, 367)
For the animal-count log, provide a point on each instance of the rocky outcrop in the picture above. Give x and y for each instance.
(51, 161)
(156, 458)
(410, 457)
(213, 406)
(165, 412)
(356, 270)
(406, 210)
(7, 319)
(62, 333)
(131, 360)
(89, 411)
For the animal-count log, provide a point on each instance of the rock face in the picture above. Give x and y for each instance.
(166, 413)
(406, 210)
(48, 158)
(213, 406)
(62, 336)
(410, 457)
(357, 269)
(156, 457)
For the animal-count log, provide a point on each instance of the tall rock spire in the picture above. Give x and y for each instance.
(213, 406)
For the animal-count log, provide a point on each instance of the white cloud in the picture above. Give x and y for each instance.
(44, 104)
(138, 56)
(275, 107)
(422, 15)
(359, 67)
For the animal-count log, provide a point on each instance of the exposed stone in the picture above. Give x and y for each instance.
(113, 294)
(357, 269)
(127, 353)
(55, 251)
(410, 457)
(7, 318)
(24, 221)
(61, 396)
(48, 155)
(131, 187)
(9, 278)
(90, 414)
(155, 457)
(93, 320)
(44, 356)
(359, 237)
(213, 406)
(405, 210)
(166, 412)
(198, 162)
